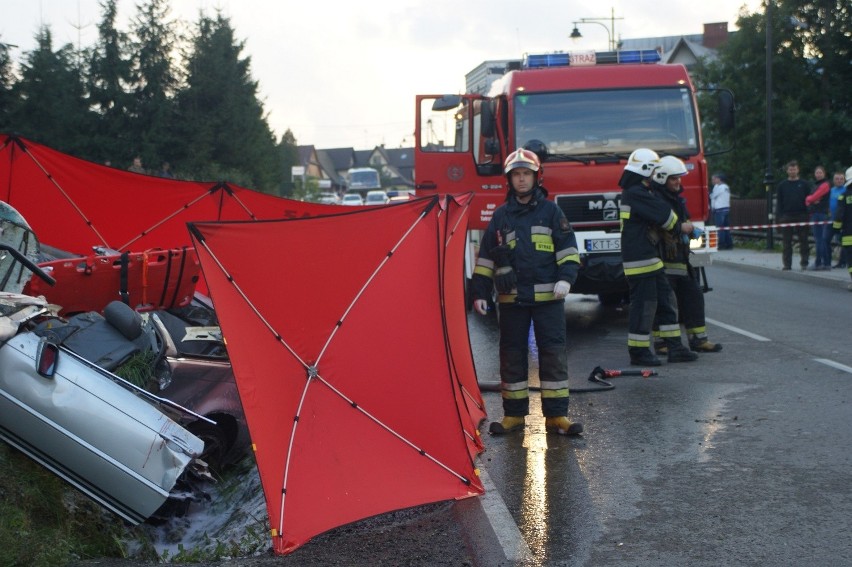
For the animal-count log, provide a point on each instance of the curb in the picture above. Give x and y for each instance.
(829, 281)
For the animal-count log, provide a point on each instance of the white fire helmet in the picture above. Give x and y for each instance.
(669, 165)
(642, 162)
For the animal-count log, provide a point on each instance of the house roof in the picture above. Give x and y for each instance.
(341, 158)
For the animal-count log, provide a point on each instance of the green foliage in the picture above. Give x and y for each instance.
(130, 94)
(288, 154)
(48, 103)
(44, 522)
(138, 369)
(220, 118)
(811, 114)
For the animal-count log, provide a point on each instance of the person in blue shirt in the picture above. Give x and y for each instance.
(838, 189)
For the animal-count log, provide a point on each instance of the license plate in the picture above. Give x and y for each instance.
(603, 245)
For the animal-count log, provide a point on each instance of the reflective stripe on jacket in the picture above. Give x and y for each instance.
(643, 216)
(544, 250)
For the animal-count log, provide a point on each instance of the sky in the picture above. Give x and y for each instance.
(345, 74)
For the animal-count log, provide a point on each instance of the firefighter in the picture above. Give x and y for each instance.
(675, 252)
(529, 254)
(645, 218)
(842, 221)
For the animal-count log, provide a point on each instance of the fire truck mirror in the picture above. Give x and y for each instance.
(726, 111)
(446, 102)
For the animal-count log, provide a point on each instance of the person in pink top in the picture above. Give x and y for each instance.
(818, 208)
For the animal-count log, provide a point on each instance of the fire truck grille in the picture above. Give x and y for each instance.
(590, 210)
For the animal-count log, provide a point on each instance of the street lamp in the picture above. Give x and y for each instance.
(610, 30)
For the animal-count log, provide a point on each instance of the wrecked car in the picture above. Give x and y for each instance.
(81, 421)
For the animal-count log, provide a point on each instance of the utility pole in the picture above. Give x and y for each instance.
(768, 180)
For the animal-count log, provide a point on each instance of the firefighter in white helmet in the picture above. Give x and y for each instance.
(645, 217)
(666, 181)
(529, 254)
(842, 220)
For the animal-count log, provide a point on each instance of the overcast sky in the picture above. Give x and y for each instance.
(341, 74)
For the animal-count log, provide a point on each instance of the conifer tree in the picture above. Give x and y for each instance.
(49, 100)
(222, 122)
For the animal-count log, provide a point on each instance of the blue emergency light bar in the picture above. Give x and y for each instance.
(542, 60)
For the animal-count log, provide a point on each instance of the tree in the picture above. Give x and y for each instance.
(49, 103)
(6, 80)
(109, 80)
(154, 83)
(810, 109)
(222, 122)
(288, 150)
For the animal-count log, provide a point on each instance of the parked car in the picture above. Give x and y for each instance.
(80, 420)
(329, 199)
(352, 199)
(376, 198)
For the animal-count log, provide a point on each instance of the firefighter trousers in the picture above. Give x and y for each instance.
(690, 306)
(548, 321)
(651, 297)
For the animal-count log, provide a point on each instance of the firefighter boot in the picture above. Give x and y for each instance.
(704, 345)
(679, 353)
(509, 424)
(643, 357)
(660, 347)
(562, 426)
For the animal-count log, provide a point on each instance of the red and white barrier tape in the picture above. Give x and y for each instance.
(779, 225)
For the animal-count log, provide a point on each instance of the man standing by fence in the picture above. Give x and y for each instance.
(791, 208)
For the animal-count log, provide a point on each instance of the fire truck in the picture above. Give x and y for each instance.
(583, 114)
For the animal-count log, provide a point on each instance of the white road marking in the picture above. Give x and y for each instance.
(738, 330)
(833, 364)
(514, 546)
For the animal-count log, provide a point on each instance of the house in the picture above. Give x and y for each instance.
(684, 49)
(395, 166)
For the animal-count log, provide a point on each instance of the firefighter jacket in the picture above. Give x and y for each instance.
(674, 249)
(645, 217)
(543, 245)
(843, 217)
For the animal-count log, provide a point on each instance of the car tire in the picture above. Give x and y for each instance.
(217, 443)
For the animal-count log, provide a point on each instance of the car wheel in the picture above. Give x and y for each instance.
(217, 443)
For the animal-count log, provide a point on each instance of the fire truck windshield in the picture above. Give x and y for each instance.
(589, 123)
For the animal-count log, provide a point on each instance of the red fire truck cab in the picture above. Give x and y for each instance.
(588, 112)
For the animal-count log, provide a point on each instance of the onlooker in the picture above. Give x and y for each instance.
(791, 209)
(675, 254)
(137, 166)
(817, 203)
(645, 220)
(843, 219)
(166, 170)
(837, 191)
(529, 254)
(720, 203)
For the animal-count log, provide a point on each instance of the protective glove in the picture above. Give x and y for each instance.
(481, 306)
(505, 279)
(561, 289)
(502, 256)
(684, 238)
(696, 233)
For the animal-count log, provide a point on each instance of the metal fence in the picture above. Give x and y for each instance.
(746, 212)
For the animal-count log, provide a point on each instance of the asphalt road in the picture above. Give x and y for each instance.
(740, 458)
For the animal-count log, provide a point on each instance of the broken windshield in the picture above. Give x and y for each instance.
(612, 122)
